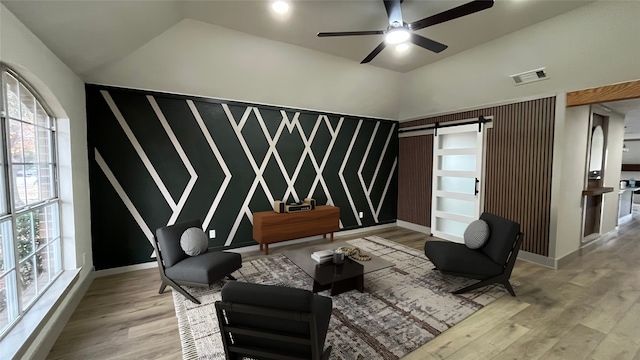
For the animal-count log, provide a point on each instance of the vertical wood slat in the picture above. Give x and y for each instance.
(519, 155)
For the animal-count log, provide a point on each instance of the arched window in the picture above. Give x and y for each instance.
(30, 245)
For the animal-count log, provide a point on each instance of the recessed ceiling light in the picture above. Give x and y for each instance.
(397, 35)
(402, 47)
(280, 6)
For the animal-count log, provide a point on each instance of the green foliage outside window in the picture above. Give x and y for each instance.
(27, 244)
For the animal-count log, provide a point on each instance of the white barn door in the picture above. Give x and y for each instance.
(457, 174)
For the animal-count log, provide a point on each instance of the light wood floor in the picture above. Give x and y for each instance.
(589, 309)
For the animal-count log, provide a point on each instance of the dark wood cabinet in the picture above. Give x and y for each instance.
(271, 227)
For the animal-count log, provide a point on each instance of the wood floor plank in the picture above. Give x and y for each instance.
(615, 347)
(611, 310)
(491, 343)
(579, 342)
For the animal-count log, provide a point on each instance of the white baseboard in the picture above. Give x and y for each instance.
(538, 259)
(415, 227)
(124, 269)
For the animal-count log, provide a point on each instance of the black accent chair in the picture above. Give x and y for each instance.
(177, 268)
(492, 263)
(273, 322)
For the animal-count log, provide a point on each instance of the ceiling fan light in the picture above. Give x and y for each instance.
(397, 36)
(280, 6)
(402, 47)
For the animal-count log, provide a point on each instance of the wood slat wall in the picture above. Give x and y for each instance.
(519, 155)
(415, 168)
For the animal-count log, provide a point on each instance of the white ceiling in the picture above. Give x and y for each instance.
(89, 34)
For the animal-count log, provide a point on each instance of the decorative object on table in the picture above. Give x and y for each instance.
(322, 256)
(417, 304)
(338, 257)
(492, 263)
(306, 205)
(355, 253)
(177, 268)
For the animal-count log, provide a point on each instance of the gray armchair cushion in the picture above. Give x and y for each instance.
(169, 241)
(205, 268)
(283, 298)
(502, 233)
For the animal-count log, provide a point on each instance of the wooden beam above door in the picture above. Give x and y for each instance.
(615, 92)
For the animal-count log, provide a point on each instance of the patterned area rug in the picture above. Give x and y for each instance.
(402, 307)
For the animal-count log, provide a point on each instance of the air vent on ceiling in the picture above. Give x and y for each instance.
(529, 76)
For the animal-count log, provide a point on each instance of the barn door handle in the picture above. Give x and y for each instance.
(476, 187)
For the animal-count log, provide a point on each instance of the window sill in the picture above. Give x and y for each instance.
(18, 339)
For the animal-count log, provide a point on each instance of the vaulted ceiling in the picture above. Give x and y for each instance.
(89, 34)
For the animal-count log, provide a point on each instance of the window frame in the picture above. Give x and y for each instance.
(8, 189)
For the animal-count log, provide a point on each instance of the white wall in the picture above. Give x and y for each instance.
(591, 46)
(63, 91)
(613, 164)
(201, 59)
(573, 156)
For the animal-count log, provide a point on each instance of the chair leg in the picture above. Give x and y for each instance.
(509, 288)
(185, 293)
(326, 353)
(166, 281)
(230, 277)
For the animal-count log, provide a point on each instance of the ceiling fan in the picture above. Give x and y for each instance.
(399, 31)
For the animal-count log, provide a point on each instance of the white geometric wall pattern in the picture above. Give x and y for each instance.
(159, 159)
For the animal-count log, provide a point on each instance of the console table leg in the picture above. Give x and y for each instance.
(331, 237)
(266, 249)
(260, 246)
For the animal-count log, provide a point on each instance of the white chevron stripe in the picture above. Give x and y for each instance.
(384, 151)
(125, 199)
(340, 173)
(386, 187)
(185, 160)
(219, 158)
(136, 145)
(362, 183)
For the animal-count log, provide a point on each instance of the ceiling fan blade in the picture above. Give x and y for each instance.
(428, 44)
(456, 12)
(394, 11)
(350, 33)
(375, 52)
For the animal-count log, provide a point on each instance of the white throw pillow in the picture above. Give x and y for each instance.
(194, 241)
(476, 234)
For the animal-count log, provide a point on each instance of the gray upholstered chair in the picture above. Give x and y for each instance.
(491, 263)
(177, 268)
(273, 322)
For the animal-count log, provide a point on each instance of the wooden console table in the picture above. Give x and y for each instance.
(271, 227)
